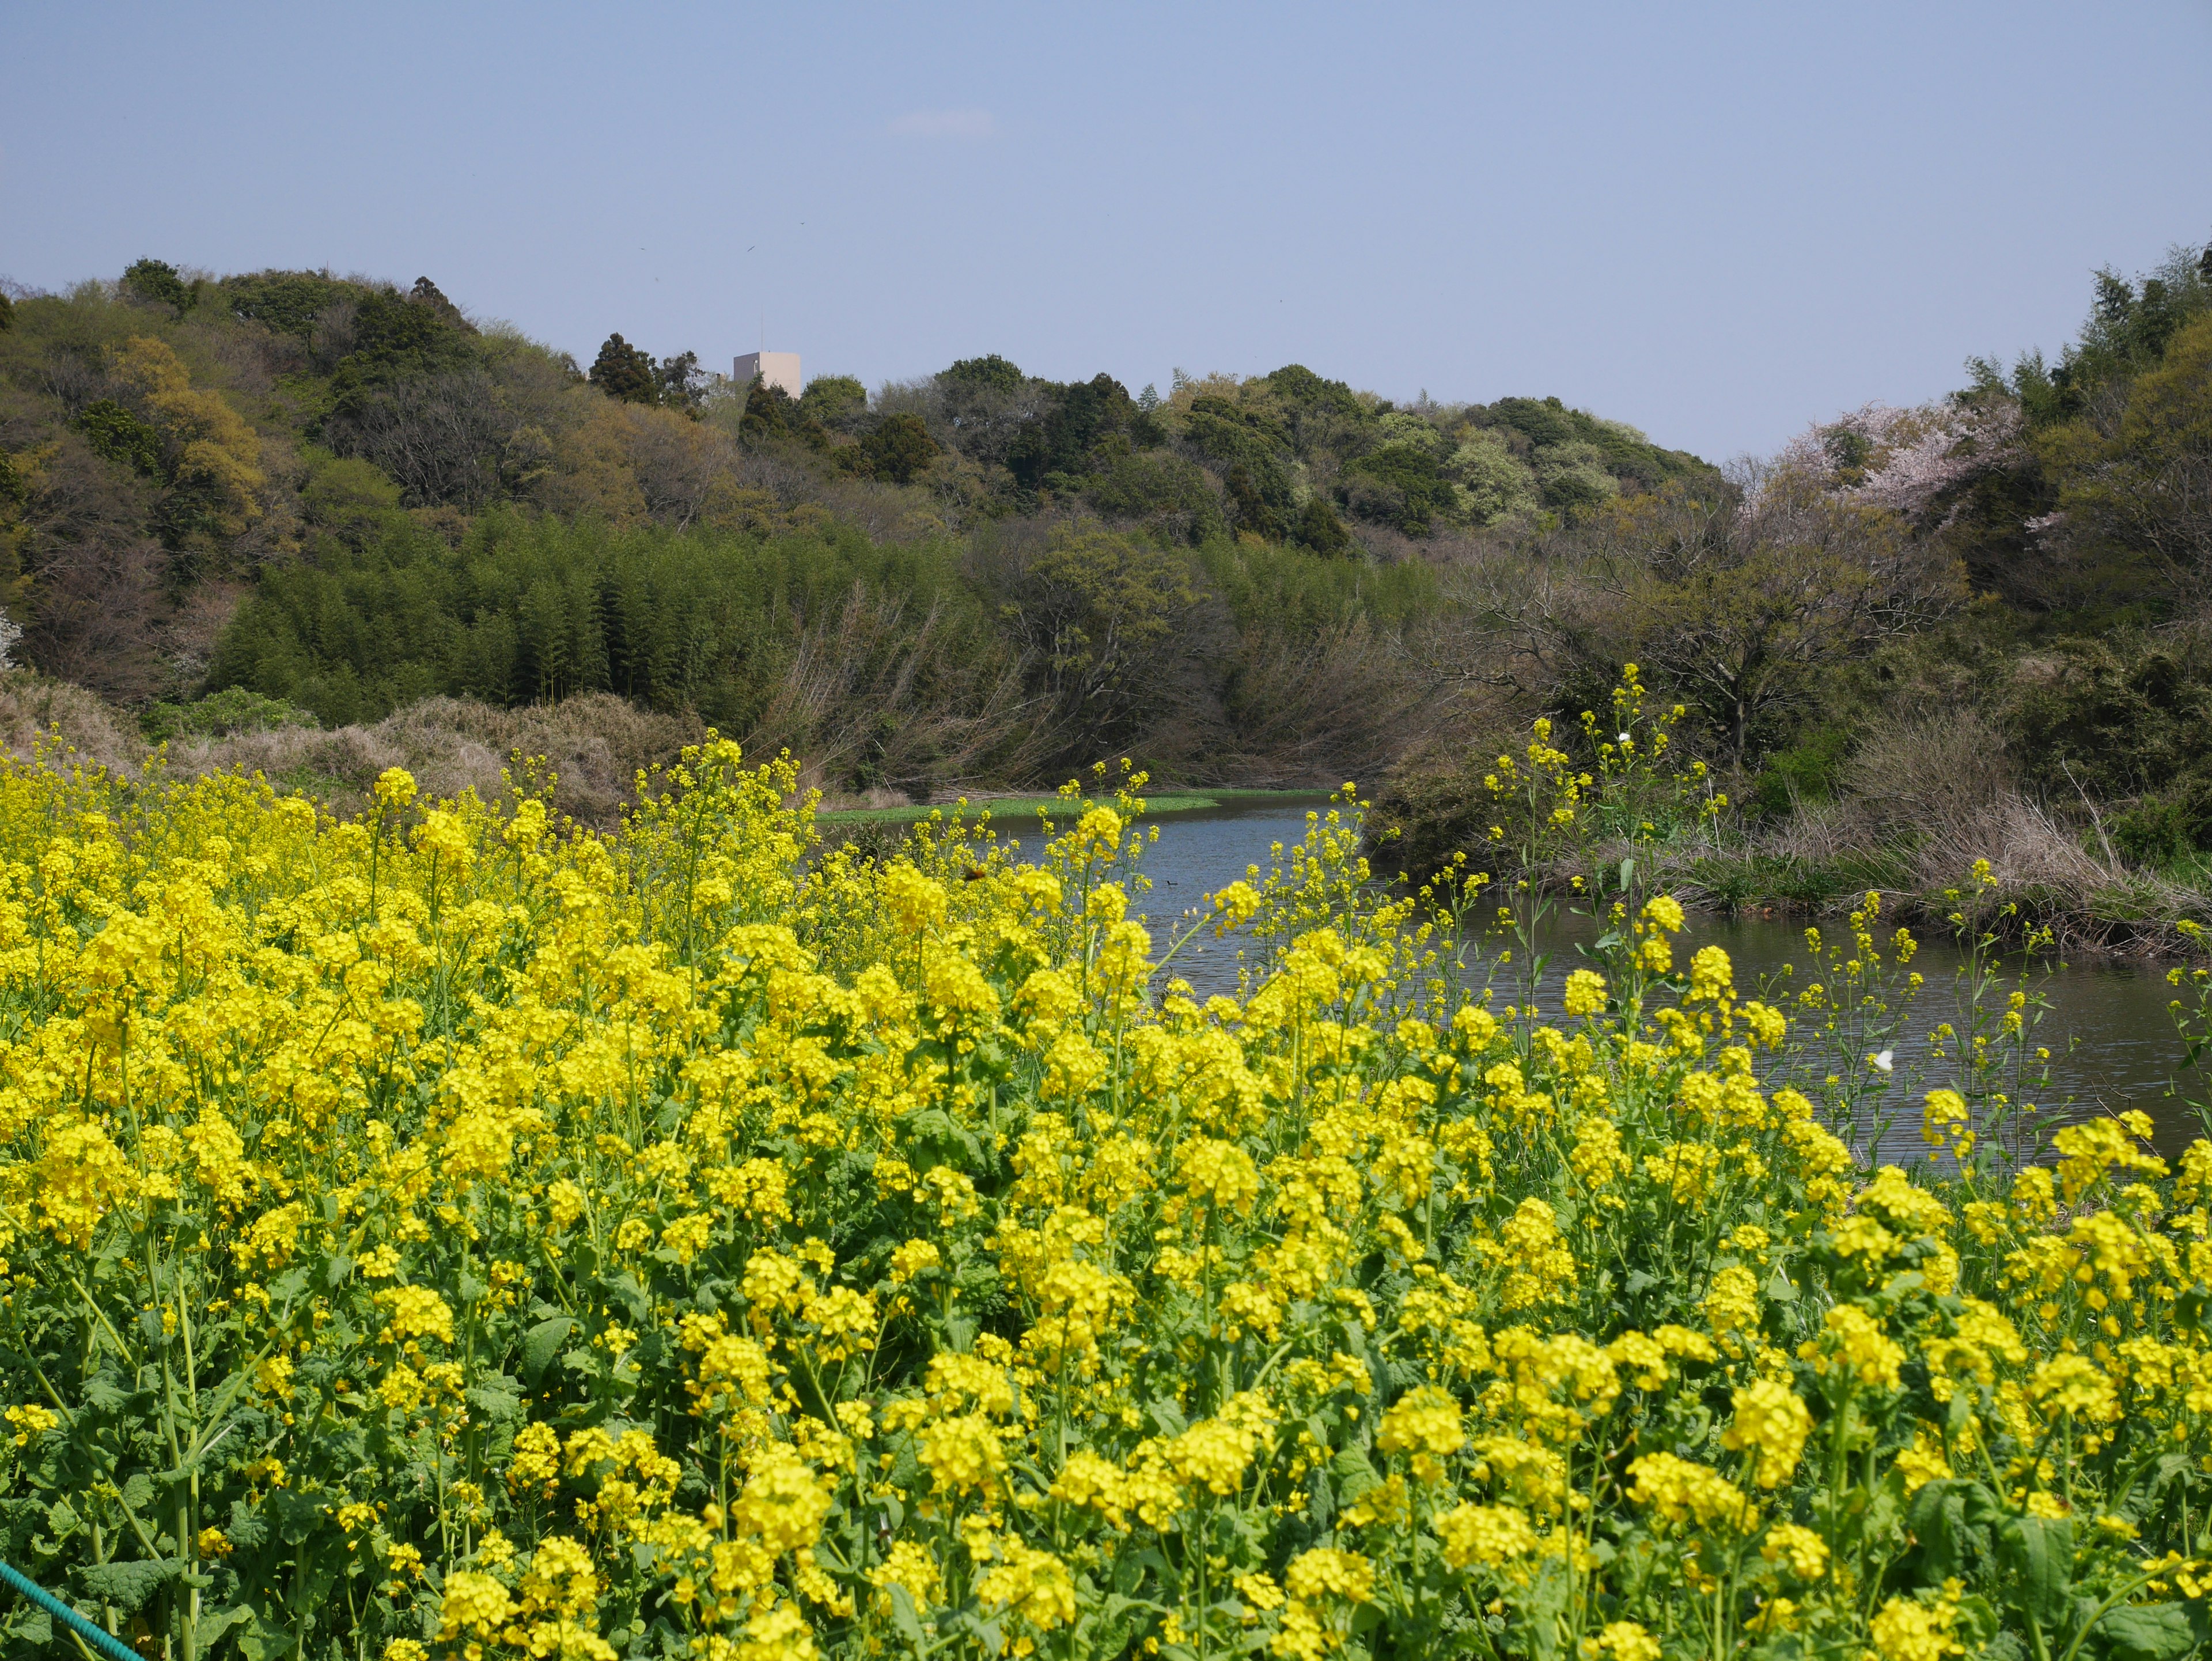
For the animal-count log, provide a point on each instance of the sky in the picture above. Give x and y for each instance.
(1718, 222)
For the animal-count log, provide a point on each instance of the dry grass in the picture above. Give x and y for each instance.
(593, 746)
(34, 710)
(1945, 782)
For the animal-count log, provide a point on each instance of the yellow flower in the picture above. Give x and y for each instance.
(1712, 976)
(1853, 1347)
(1772, 1424)
(1621, 1640)
(395, 787)
(1486, 1537)
(1034, 1585)
(417, 1312)
(1426, 1423)
(1681, 1491)
(962, 1454)
(1907, 1631)
(1585, 993)
(1797, 1548)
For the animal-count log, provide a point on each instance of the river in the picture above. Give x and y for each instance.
(2107, 1027)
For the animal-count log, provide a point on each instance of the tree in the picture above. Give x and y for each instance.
(679, 384)
(427, 294)
(837, 401)
(1063, 437)
(1494, 484)
(1096, 614)
(1168, 493)
(989, 374)
(898, 447)
(290, 302)
(2139, 481)
(159, 282)
(1739, 606)
(209, 456)
(1251, 511)
(117, 435)
(622, 371)
(1399, 484)
(1318, 528)
(770, 412)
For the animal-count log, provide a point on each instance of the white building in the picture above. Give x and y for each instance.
(775, 368)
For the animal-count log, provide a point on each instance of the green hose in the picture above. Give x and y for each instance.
(112, 1648)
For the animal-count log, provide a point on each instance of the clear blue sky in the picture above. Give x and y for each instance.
(1717, 222)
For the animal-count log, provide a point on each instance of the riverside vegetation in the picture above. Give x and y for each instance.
(321, 525)
(448, 1232)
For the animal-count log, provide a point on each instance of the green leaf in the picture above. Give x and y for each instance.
(543, 1344)
(215, 1621)
(127, 1585)
(1951, 1520)
(261, 1641)
(904, 1618)
(2149, 1632)
(1354, 1474)
(499, 1405)
(2038, 1555)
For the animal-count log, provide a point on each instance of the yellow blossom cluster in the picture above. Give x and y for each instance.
(452, 1233)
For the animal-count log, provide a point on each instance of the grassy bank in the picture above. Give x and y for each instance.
(1009, 809)
(1917, 808)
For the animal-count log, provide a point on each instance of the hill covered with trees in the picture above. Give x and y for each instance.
(296, 501)
(344, 496)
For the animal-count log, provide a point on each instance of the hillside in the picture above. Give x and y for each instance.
(347, 497)
(300, 521)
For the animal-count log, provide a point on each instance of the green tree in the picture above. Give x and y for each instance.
(837, 401)
(2140, 485)
(898, 447)
(988, 373)
(1400, 483)
(117, 435)
(1168, 493)
(1319, 529)
(159, 282)
(427, 293)
(772, 413)
(1743, 610)
(290, 302)
(622, 371)
(1251, 510)
(679, 384)
(1494, 484)
(1096, 614)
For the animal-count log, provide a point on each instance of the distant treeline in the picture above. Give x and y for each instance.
(347, 496)
(341, 496)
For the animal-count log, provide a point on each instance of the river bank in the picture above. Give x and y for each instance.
(2105, 1019)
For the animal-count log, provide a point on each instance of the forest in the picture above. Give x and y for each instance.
(316, 524)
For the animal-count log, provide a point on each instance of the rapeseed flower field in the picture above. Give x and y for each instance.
(450, 1234)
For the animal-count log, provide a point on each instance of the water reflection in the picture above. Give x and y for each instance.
(2111, 1040)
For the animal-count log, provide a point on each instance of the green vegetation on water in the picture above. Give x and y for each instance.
(1010, 810)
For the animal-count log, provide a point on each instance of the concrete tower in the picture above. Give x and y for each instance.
(774, 368)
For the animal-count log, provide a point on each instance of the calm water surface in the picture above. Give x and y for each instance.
(2111, 1041)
